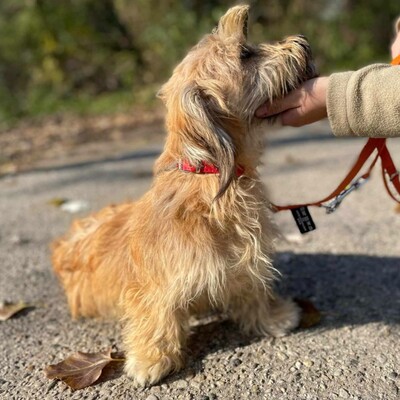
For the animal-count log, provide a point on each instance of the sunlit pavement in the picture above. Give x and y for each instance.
(349, 268)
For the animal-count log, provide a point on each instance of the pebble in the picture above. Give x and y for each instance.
(343, 393)
(323, 386)
(308, 363)
(236, 362)
(393, 375)
(195, 384)
(298, 365)
(281, 356)
(181, 384)
(152, 397)
(199, 378)
(381, 358)
(337, 372)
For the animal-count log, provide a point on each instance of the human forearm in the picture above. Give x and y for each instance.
(365, 102)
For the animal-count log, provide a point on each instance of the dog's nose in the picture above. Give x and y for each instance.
(302, 41)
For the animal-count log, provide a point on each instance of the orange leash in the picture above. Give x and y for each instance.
(350, 183)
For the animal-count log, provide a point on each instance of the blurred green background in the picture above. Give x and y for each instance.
(102, 56)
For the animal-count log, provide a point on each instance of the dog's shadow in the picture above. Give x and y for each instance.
(347, 290)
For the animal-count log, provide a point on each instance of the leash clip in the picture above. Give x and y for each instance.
(335, 203)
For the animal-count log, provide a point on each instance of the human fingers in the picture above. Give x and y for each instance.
(311, 106)
(396, 46)
(293, 99)
(302, 115)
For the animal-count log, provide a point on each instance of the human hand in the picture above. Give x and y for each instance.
(302, 106)
(396, 43)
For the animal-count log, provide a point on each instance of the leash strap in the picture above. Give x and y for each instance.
(390, 176)
(349, 183)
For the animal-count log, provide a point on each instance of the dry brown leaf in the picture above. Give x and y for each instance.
(310, 314)
(57, 201)
(7, 168)
(7, 310)
(397, 209)
(81, 370)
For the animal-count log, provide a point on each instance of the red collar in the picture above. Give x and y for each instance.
(204, 168)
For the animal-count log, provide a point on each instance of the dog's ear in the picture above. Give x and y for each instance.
(204, 127)
(234, 23)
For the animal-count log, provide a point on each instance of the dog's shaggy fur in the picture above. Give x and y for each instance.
(195, 241)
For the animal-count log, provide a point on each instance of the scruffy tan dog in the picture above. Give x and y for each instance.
(202, 237)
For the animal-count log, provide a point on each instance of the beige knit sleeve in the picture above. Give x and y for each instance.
(365, 102)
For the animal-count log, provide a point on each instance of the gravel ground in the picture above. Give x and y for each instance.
(349, 268)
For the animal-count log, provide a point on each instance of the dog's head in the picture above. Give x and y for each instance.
(214, 92)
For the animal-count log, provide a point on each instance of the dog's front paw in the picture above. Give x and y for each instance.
(145, 373)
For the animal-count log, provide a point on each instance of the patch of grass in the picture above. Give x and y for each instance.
(42, 104)
(84, 104)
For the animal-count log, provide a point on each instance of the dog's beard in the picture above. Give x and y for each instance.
(275, 79)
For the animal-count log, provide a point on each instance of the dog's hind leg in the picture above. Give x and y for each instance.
(89, 259)
(262, 312)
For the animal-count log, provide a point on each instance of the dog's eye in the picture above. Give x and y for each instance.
(246, 53)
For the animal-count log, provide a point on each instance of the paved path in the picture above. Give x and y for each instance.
(349, 268)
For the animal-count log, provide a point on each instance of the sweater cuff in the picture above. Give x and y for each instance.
(336, 104)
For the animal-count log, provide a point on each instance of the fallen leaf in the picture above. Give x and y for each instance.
(7, 168)
(7, 310)
(310, 314)
(57, 201)
(81, 370)
(397, 209)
